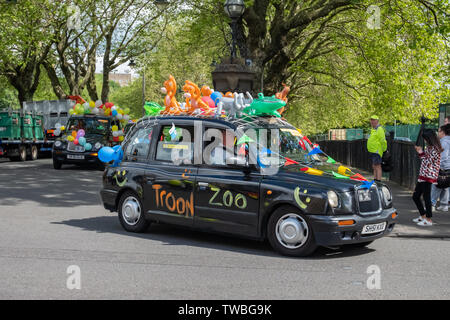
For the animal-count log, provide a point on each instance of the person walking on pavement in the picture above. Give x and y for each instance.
(376, 145)
(442, 194)
(428, 174)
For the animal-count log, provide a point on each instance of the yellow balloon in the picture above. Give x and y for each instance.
(92, 104)
(115, 128)
(70, 138)
(121, 138)
(62, 128)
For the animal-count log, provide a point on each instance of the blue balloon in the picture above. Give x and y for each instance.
(82, 141)
(215, 96)
(106, 154)
(114, 113)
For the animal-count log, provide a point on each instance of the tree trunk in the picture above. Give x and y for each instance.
(56, 84)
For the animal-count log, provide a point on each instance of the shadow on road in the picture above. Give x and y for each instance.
(38, 182)
(170, 235)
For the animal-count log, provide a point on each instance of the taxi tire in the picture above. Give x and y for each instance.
(57, 164)
(143, 224)
(305, 250)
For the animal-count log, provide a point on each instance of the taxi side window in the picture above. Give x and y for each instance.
(138, 146)
(176, 144)
(218, 146)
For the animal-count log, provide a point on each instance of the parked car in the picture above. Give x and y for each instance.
(98, 133)
(294, 210)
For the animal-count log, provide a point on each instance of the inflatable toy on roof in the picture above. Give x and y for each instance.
(265, 106)
(170, 90)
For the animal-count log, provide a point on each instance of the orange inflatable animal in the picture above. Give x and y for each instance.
(283, 96)
(171, 103)
(194, 98)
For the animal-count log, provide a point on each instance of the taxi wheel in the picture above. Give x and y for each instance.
(131, 213)
(57, 164)
(289, 233)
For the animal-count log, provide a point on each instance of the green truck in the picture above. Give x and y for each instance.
(28, 132)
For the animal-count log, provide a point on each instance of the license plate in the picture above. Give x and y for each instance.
(373, 228)
(75, 157)
(364, 196)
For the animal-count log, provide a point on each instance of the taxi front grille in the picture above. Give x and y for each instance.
(74, 148)
(368, 206)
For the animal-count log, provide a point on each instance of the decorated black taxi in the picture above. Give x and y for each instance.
(257, 177)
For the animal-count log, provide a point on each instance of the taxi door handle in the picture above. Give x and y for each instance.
(203, 185)
(149, 180)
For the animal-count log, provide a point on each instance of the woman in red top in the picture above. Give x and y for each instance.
(428, 174)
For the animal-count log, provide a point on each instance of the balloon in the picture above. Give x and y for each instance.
(70, 138)
(115, 133)
(81, 133)
(96, 110)
(71, 111)
(98, 103)
(57, 125)
(74, 134)
(126, 117)
(114, 113)
(126, 110)
(116, 139)
(88, 146)
(215, 96)
(121, 138)
(57, 132)
(76, 141)
(62, 128)
(82, 141)
(106, 154)
(115, 128)
(119, 116)
(209, 101)
(92, 104)
(109, 105)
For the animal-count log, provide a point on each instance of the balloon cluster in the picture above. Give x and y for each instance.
(100, 108)
(117, 134)
(77, 138)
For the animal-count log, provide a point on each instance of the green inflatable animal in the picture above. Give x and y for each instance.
(265, 106)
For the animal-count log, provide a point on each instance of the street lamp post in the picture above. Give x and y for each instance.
(234, 9)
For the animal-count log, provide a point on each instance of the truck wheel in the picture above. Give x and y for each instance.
(289, 232)
(131, 213)
(22, 153)
(57, 164)
(34, 153)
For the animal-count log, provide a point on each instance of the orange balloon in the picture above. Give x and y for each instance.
(74, 134)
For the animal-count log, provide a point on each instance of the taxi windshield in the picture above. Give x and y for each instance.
(89, 125)
(286, 143)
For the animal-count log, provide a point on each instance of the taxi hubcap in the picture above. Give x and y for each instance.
(131, 211)
(292, 231)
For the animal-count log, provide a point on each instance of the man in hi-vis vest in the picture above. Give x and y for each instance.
(376, 145)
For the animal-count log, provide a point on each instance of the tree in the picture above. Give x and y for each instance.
(25, 43)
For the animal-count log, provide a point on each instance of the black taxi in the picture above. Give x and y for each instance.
(98, 133)
(255, 178)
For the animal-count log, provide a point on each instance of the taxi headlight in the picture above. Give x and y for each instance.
(333, 199)
(387, 195)
(58, 144)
